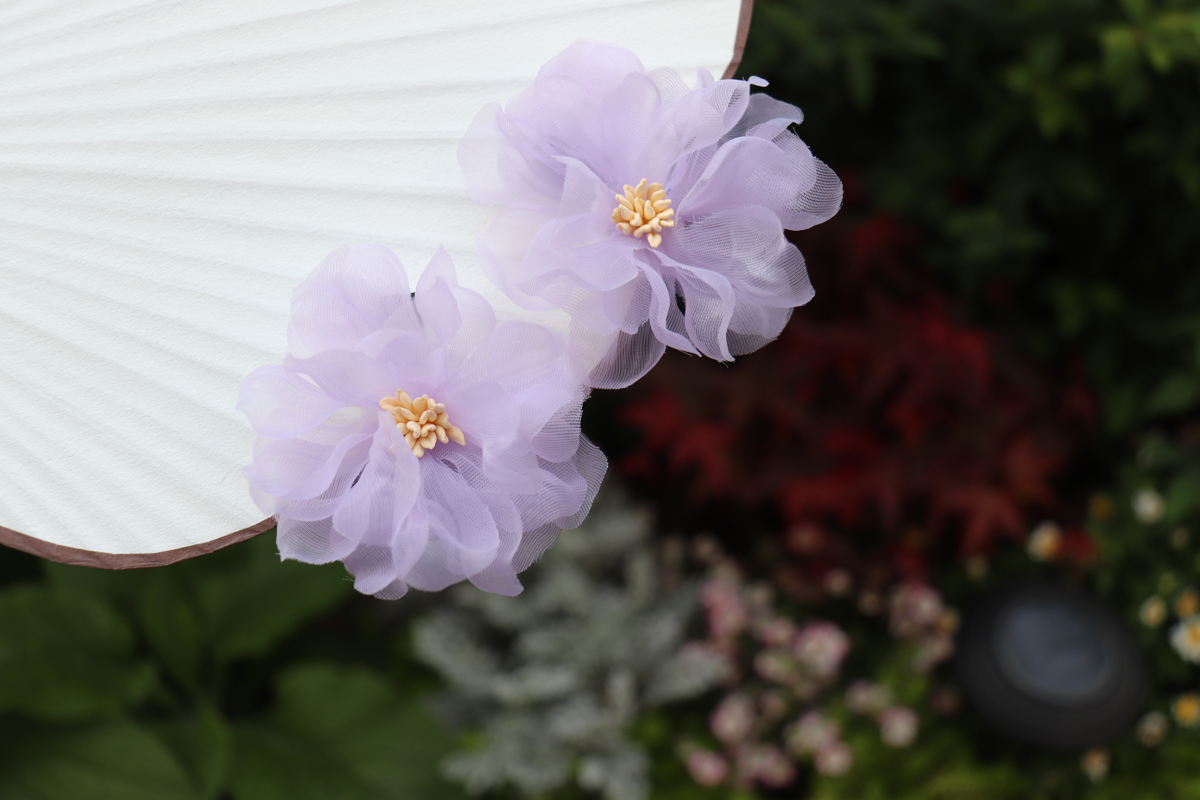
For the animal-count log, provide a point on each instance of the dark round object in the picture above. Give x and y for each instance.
(1050, 666)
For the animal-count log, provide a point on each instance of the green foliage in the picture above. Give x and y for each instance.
(940, 768)
(64, 656)
(1152, 555)
(344, 733)
(205, 680)
(1047, 151)
(114, 759)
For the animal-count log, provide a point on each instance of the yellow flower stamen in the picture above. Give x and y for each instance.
(423, 421)
(644, 210)
(1186, 710)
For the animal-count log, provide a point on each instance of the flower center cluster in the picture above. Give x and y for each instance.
(644, 210)
(424, 422)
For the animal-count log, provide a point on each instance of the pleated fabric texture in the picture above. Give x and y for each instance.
(335, 468)
(722, 282)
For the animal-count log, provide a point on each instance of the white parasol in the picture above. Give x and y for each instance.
(169, 171)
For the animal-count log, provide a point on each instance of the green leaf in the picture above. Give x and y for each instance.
(256, 600)
(1176, 393)
(203, 742)
(344, 733)
(114, 760)
(169, 621)
(1182, 496)
(242, 599)
(66, 656)
(1121, 56)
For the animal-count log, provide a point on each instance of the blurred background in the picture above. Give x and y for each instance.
(940, 540)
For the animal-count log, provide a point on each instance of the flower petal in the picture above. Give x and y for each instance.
(709, 300)
(281, 404)
(517, 356)
(780, 174)
(616, 361)
(699, 119)
(353, 292)
(666, 319)
(351, 377)
(304, 467)
(749, 248)
(463, 536)
(311, 541)
(763, 108)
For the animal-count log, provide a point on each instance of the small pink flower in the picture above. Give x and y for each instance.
(776, 666)
(811, 732)
(727, 614)
(834, 759)
(864, 697)
(898, 726)
(777, 631)
(932, 652)
(774, 705)
(820, 648)
(915, 608)
(707, 768)
(733, 720)
(769, 766)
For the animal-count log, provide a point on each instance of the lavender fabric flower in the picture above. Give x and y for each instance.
(653, 213)
(416, 440)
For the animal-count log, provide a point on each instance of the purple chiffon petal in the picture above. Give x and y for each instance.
(303, 467)
(614, 362)
(780, 174)
(353, 292)
(710, 299)
(282, 404)
(748, 247)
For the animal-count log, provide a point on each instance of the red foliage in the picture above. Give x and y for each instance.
(878, 411)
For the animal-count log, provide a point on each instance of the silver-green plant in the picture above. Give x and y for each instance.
(555, 678)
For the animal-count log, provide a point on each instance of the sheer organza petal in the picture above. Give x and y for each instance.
(347, 376)
(617, 360)
(302, 467)
(780, 174)
(755, 325)
(436, 304)
(517, 356)
(709, 298)
(697, 120)
(503, 249)
(385, 491)
(353, 292)
(748, 247)
(764, 108)
(311, 541)
(463, 535)
(551, 415)
(664, 310)
(281, 404)
(311, 509)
